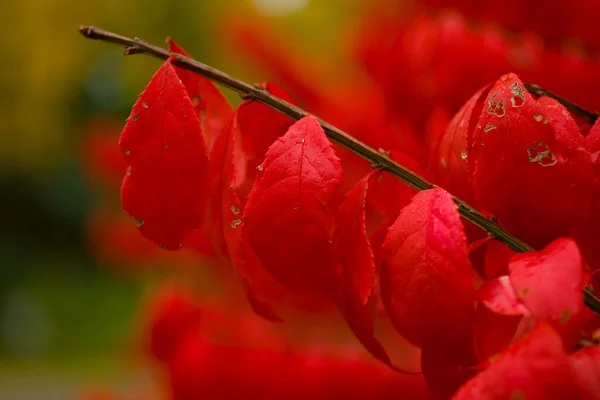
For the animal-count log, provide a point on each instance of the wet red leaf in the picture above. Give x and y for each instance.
(427, 281)
(535, 367)
(164, 189)
(531, 167)
(550, 284)
(450, 157)
(286, 217)
(350, 238)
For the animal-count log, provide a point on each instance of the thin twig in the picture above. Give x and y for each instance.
(380, 159)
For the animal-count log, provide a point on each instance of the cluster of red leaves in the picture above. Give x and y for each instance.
(200, 366)
(267, 193)
(421, 65)
(566, 20)
(308, 222)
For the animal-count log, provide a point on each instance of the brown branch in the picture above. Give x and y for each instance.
(381, 160)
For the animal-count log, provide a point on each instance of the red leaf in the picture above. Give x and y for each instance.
(532, 170)
(536, 367)
(358, 269)
(550, 283)
(231, 218)
(350, 239)
(427, 281)
(213, 109)
(492, 332)
(451, 155)
(497, 256)
(586, 368)
(499, 296)
(286, 218)
(164, 189)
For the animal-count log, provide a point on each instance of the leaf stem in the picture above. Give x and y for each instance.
(137, 46)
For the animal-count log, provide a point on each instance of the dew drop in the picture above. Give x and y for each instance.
(235, 210)
(235, 223)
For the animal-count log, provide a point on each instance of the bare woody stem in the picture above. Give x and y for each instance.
(378, 158)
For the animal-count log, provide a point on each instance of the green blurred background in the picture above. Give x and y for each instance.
(65, 315)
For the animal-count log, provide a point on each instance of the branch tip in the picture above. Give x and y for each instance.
(86, 31)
